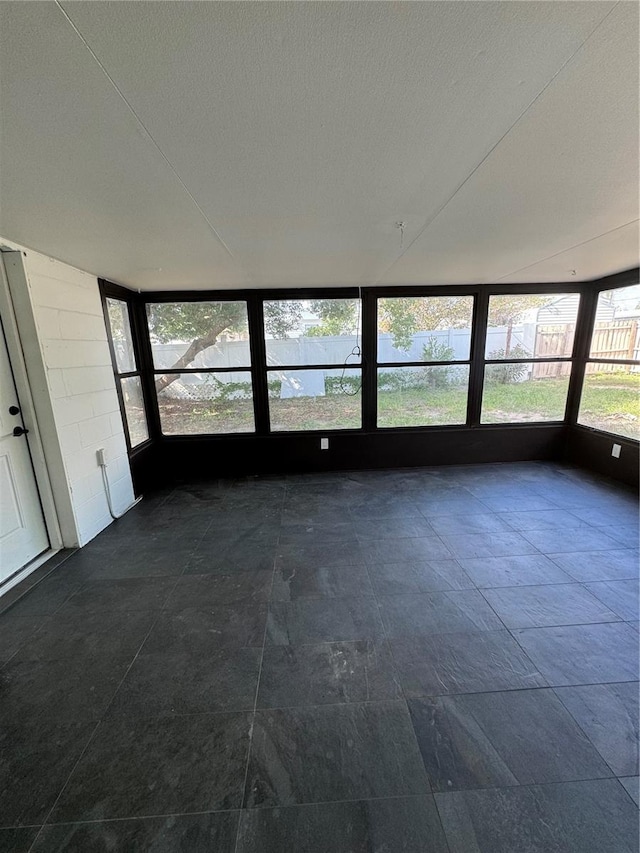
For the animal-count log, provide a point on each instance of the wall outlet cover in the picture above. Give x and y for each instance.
(324, 444)
(615, 451)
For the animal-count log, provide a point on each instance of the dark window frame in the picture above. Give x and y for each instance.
(629, 278)
(468, 362)
(588, 291)
(536, 290)
(244, 369)
(300, 296)
(108, 290)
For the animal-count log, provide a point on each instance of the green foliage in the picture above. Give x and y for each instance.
(337, 317)
(282, 316)
(229, 390)
(400, 380)
(509, 309)
(435, 350)
(349, 385)
(505, 374)
(405, 316)
(188, 321)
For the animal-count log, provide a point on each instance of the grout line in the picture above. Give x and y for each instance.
(579, 725)
(255, 701)
(376, 598)
(73, 769)
(398, 681)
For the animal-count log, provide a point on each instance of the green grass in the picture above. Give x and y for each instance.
(611, 402)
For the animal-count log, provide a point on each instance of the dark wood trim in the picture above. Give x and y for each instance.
(476, 373)
(581, 345)
(369, 359)
(110, 293)
(289, 368)
(258, 350)
(170, 371)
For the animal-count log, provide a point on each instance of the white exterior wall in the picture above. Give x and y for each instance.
(73, 348)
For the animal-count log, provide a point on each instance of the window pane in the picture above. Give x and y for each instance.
(120, 325)
(523, 392)
(314, 399)
(531, 326)
(616, 333)
(198, 334)
(611, 399)
(197, 403)
(312, 331)
(424, 328)
(134, 410)
(422, 396)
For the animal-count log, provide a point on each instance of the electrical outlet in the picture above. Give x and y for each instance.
(615, 451)
(101, 456)
(324, 444)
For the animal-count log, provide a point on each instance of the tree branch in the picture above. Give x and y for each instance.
(193, 350)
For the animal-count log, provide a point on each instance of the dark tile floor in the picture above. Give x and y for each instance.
(426, 661)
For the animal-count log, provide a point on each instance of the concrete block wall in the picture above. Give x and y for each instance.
(72, 342)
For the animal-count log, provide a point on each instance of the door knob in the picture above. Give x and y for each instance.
(14, 410)
(18, 431)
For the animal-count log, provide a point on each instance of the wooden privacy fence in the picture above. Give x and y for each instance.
(612, 339)
(553, 342)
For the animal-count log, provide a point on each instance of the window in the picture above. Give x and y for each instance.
(202, 367)
(610, 398)
(424, 346)
(126, 370)
(314, 376)
(528, 357)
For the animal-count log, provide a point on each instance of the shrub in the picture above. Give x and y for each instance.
(435, 350)
(342, 385)
(504, 374)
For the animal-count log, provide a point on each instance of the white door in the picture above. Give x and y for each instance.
(23, 535)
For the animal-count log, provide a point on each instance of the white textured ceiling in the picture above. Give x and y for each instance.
(226, 144)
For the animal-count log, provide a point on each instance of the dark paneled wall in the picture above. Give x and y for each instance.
(174, 459)
(590, 448)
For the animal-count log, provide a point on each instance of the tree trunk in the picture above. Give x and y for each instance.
(195, 347)
(507, 346)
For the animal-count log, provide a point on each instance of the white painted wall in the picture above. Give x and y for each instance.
(72, 350)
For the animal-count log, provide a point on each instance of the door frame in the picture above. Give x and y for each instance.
(36, 449)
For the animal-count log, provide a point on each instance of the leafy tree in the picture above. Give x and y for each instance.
(405, 316)
(202, 323)
(337, 317)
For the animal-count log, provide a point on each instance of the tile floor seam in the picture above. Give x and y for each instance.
(400, 684)
(545, 625)
(243, 791)
(577, 722)
(92, 735)
(75, 765)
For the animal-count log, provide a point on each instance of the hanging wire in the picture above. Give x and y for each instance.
(356, 352)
